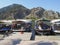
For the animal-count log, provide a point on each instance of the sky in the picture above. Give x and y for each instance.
(46, 4)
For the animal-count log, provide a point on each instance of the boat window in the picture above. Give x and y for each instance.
(57, 22)
(57, 26)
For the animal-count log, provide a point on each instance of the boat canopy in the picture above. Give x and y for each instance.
(55, 20)
(10, 21)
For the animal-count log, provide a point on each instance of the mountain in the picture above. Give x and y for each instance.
(51, 14)
(13, 12)
(37, 12)
(17, 11)
(40, 12)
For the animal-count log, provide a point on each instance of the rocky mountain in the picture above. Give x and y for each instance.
(40, 12)
(16, 11)
(13, 12)
(37, 12)
(49, 14)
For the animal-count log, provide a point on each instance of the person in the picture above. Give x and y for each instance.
(22, 30)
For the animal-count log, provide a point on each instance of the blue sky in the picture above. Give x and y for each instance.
(47, 4)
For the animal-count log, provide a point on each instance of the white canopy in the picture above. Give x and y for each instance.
(10, 21)
(56, 20)
(24, 20)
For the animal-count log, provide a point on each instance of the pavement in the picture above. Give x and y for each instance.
(18, 38)
(19, 35)
(39, 43)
